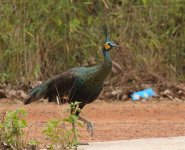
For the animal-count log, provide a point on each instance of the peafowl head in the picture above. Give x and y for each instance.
(108, 43)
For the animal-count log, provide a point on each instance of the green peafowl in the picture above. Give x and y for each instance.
(82, 84)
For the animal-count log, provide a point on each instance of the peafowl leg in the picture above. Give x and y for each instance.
(89, 125)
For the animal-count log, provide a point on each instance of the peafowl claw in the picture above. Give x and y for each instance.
(89, 125)
(90, 128)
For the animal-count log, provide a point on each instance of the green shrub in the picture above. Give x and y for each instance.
(11, 129)
(42, 38)
(58, 132)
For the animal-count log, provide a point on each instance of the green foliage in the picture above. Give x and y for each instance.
(42, 38)
(58, 132)
(12, 133)
(33, 142)
(4, 77)
(60, 135)
(11, 129)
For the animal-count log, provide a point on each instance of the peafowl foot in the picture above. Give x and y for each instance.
(90, 127)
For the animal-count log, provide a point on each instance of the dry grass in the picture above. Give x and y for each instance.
(41, 38)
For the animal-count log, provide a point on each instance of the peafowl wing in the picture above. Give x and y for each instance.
(57, 86)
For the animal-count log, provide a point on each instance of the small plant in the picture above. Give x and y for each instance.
(12, 135)
(73, 119)
(32, 145)
(60, 135)
(11, 129)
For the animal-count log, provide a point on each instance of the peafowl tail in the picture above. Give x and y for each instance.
(37, 93)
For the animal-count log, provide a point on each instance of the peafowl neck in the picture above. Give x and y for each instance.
(107, 58)
(99, 73)
(105, 67)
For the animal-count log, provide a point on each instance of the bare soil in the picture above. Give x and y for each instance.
(112, 120)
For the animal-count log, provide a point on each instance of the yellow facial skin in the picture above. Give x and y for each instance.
(106, 46)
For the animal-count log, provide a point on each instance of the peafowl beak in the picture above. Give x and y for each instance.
(114, 45)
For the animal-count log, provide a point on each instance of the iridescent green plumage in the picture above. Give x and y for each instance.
(82, 84)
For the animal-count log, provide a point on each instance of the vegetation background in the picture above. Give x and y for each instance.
(39, 39)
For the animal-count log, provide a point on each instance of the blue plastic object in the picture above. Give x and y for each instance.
(142, 94)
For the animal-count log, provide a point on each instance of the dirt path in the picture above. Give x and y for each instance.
(114, 120)
(172, 143)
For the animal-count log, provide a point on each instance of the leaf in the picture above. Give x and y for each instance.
(80, 124)
(144, 3)
(33, 142)
(36, 70)
(69, 119)
(74, 25)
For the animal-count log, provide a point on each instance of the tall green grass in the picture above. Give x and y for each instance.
(41, 38)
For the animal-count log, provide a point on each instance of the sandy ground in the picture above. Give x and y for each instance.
(172, 143)
(112, 120)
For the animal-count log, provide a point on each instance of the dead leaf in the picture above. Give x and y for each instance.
(2, 93)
